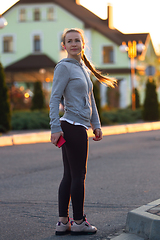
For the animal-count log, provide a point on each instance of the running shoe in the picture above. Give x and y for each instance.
(62, 229)
(83, 228)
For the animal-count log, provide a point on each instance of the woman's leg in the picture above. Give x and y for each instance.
(75, 154)
(64, 193)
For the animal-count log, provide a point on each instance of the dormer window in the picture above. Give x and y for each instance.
(37, 14)
(22, 15)
(108, 54)
(50, 14)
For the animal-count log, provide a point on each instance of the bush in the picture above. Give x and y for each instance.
(25, 120)
(151, 108)
(121, 116)
(5, 114)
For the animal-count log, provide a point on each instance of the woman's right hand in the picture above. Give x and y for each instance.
(55, 137)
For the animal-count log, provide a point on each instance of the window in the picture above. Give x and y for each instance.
(36, 14)
(37, 43)
(22, 16)
(8, 44)
(50, 14)
(108, 54)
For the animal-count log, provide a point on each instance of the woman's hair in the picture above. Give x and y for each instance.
(111, 82)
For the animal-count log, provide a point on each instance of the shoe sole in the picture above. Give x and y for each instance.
(62, 233)
(82, 233)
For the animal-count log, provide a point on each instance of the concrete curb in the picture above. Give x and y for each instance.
(40, 137)
(144, 224)
(127, 236)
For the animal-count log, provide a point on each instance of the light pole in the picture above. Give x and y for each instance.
(3, 22)
(132, 50)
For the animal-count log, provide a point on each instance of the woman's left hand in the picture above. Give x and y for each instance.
(98, 134)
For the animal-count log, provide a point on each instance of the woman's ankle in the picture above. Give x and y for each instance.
(64, 220)
(79, 221)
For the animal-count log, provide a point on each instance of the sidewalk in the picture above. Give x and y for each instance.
(40, 136)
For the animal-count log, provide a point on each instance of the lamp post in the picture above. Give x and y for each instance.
(132, 50)
(3, 22)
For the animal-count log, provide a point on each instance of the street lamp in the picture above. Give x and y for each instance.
(132, 50)
(3, 22)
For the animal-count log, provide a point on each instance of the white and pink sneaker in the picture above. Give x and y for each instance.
(83, 228)
(62, 229)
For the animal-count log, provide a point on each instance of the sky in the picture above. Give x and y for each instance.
(129, 16)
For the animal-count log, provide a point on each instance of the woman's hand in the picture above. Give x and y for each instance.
(98, 134)
(55, 137)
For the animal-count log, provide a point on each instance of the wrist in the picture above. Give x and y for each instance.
(96, 129)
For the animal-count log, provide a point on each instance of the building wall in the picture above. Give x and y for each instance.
(50, 32)
(23, 32)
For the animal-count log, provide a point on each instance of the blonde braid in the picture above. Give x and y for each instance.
(111, 82)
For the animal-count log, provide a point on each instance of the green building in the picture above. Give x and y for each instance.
(31, 46)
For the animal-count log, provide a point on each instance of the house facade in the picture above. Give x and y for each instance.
(31, 45)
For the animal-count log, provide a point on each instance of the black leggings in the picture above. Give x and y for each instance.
(75, 155)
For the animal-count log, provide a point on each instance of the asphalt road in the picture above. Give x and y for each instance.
(123, 174)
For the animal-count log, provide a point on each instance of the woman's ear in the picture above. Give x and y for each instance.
(63, 45)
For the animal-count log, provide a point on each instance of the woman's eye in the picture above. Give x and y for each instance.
(77, 40)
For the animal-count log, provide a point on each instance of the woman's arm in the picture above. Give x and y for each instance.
(60, 81)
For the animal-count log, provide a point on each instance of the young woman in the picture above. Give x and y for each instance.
(72, 81)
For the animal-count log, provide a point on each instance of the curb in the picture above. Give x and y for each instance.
(42, 137)
(127, 236)
(143, 223)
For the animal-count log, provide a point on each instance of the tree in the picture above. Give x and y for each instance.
(137, 103)
(96, 91)
(5, 111)
(151, 108)
(38, 97)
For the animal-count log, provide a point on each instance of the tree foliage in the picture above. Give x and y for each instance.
(38, 97)
(151, 108)
(137, 103)
(96, 91)
(5, 112)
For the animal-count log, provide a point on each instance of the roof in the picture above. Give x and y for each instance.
(92, 21)
(31, 62)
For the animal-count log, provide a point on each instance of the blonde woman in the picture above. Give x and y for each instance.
(72, 81)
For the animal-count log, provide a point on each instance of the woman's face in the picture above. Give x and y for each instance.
(73, 45)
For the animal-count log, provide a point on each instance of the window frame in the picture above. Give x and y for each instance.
(37, 42)
(21, 15)
(8, 46)
(35, 12)
(50, 15)
(32, 36)
(113, 54)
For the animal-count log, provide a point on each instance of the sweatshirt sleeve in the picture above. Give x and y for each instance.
(95, 121)
(60, 81)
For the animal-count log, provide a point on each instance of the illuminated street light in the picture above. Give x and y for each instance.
(132, 50)
(3, 22)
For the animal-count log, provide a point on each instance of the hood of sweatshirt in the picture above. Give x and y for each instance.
(71, 60)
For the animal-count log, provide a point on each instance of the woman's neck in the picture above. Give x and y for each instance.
(78, 58)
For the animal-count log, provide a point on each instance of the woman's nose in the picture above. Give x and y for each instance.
(73, 43)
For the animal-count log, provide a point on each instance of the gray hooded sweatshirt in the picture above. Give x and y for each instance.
(72, 81)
